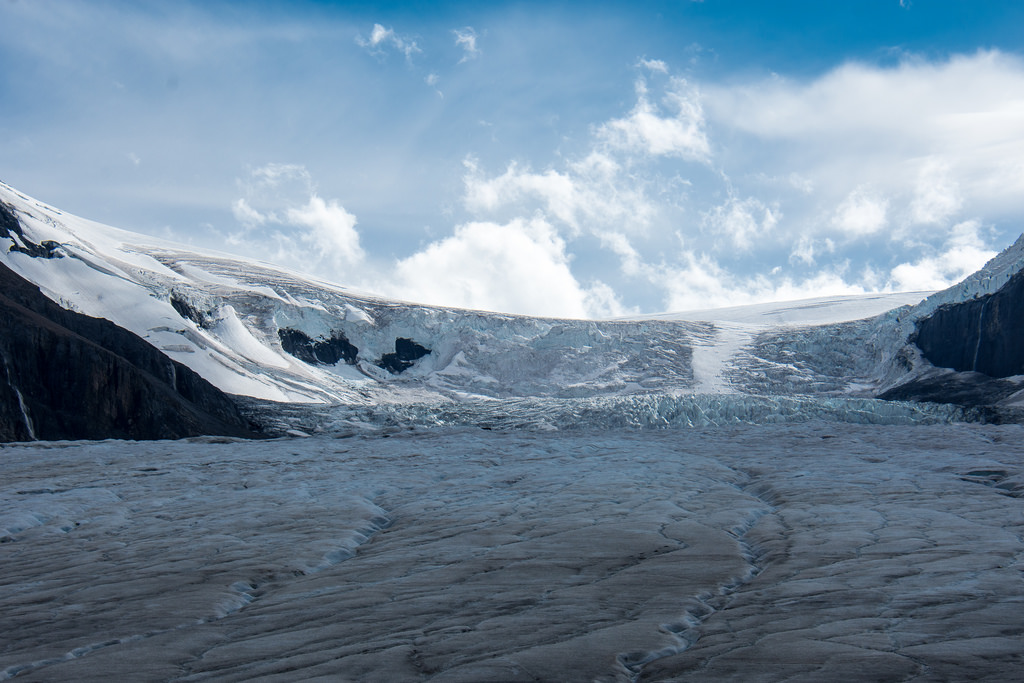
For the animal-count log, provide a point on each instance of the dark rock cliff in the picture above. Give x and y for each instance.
(322, 351)
(64, 375)
(983, 335)
(406, 352)
(11, 228)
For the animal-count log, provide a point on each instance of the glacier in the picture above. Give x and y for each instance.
(230, 320)
(454, 495)
(811, 551)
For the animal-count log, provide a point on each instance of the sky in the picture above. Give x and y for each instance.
(572, 159)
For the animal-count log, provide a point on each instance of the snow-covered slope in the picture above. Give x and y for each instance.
(258, 330)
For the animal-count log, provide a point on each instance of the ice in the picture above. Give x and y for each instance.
(130, 280)
(657, 411)
(692, 496)
(808, 551)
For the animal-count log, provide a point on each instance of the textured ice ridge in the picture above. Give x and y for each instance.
(626, 412)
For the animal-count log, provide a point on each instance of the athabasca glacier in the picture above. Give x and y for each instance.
(700, 496)
(226, 318)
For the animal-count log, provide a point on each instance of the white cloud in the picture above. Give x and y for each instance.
(654, 65)
(959, 121)
(382, 38)
(466, 39)
(245, 214)
(380, 34)
(275, 175)
(518, 267)
(283, 218)
(963, 253)
(806, 249)
(700, 282)
(861, 213)
(591, 193)
(744, 222)
(810, 189)
(647, 132)
(936, 195)
(331, 230)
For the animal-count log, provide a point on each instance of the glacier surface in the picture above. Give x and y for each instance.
(710, 495)
(814, 551)
(224, 317)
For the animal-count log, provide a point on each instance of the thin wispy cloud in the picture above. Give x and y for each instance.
(465, 38)
(381, 40)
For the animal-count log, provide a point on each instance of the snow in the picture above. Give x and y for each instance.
(819, 551)
(987, 280)
(130, 279)
(825, 310)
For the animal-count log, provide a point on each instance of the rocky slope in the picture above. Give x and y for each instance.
(64, 375)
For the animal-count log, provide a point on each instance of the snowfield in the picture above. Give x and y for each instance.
(223, 317)
(801, 552)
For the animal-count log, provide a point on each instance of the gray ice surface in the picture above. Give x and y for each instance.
(801, 552)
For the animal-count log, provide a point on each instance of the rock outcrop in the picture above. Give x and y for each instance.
(985, 334)
(320, 351)
(11, 228)
(406, 352)
(64, 375)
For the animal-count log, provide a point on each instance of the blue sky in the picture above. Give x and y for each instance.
(573, 159)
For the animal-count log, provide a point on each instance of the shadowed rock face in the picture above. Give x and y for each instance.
(984, 335)
(406, 352)
(324, 351)
(11, 228)
(64, 375)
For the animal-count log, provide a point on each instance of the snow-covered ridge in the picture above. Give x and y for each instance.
(992, 276)
(223, 316)
(257, 330)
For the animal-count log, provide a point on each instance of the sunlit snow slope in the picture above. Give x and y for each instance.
(257, 330)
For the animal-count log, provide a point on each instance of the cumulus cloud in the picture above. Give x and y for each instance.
(517, 267)
(329, 228)
(466, 39)
(282, 218)
(962, 254)
(698, 281)
(649, 131)
(806, 249)
(913, 129)
(861, 213)
(862, 179)
(936, 195)
(245, 214)
(381, 39)
(589, 194)
(743, 222)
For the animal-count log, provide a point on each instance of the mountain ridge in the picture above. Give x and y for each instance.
(262, 332)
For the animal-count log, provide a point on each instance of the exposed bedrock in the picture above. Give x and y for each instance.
(187, 310)
(64, 375)
(10, 228)
(318, 352)
(984, 335)
(406, 352)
